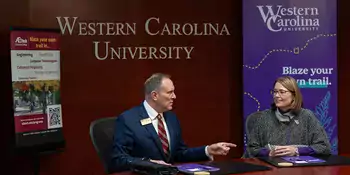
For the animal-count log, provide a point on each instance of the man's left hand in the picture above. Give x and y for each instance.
(221, 148)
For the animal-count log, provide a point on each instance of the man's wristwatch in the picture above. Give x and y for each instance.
(144, 158)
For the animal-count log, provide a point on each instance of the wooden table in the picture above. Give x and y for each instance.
(312, 170)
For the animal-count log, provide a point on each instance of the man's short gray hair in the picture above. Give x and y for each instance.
(154, 82)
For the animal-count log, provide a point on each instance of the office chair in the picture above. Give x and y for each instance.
(249, 125)
(101, 134)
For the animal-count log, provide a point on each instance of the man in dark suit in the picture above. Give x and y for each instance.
(152, 132)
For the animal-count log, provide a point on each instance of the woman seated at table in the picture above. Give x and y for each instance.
(287, 129)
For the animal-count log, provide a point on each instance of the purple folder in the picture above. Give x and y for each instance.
(302, 159)
(196, 167)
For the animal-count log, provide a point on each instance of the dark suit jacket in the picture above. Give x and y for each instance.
(134, 141)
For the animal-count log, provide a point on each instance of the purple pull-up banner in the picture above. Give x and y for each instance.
(296, 38)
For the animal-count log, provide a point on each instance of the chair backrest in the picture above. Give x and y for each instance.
(101, 133)
(249, 126)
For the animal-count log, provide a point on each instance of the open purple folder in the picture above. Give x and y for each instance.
(302, 159)
(196, 167)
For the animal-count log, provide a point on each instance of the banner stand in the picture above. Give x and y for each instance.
(36, 157)
(292, 38)
(37, 111)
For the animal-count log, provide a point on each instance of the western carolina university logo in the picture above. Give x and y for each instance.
(289, 19)
(21, 42)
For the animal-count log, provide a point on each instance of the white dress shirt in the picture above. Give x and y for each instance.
(153, 115)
